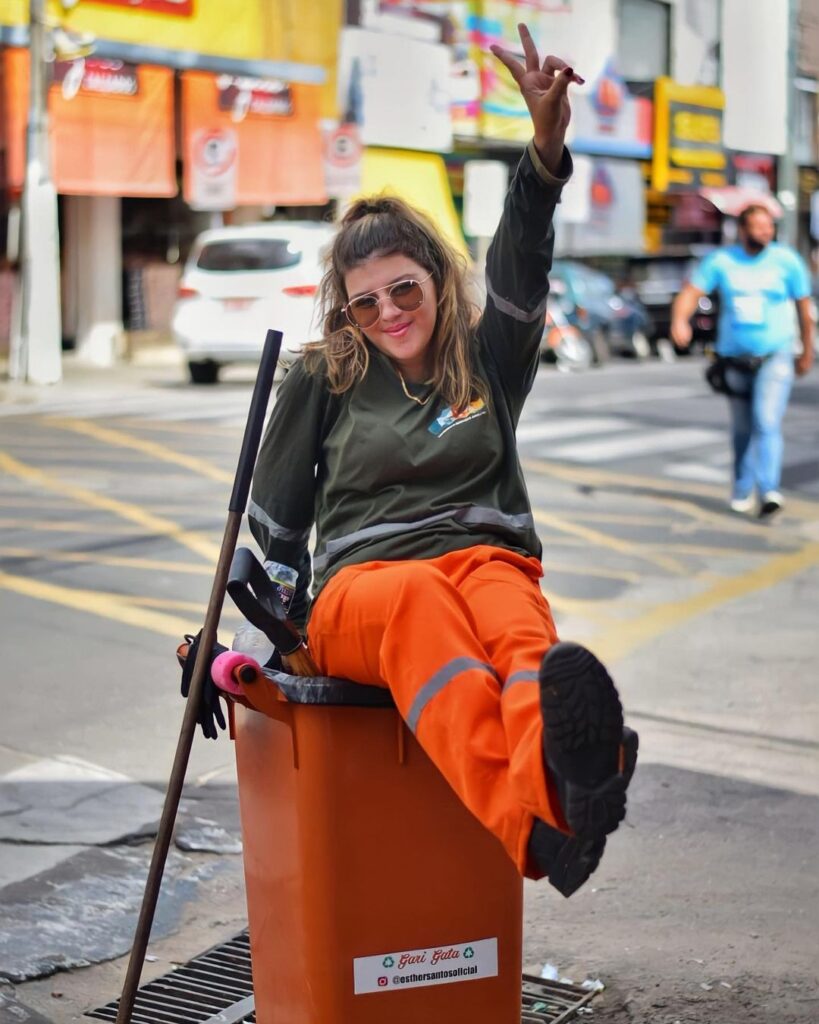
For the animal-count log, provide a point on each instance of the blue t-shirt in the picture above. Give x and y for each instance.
(756, 295)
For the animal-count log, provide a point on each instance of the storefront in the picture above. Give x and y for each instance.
(405, 131)
(603, 212)
(135, 155)
(688, 161)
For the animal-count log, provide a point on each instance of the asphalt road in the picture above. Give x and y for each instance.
(112, 504)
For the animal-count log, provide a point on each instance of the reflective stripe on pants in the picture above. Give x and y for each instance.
(458, 640)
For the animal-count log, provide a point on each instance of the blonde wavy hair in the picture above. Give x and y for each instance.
(381, 226)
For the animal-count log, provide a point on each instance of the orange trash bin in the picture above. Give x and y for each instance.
(373, 895)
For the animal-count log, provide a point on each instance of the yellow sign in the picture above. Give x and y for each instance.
(285, 30)
(688, 149)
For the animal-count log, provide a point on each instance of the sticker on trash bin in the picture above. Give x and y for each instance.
(435, 965)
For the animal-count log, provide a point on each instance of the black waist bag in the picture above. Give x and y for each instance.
(715, 373)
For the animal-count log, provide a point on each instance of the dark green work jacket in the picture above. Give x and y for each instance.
(383, 478)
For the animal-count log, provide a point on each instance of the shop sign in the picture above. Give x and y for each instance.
(97, 76)
(213, 179)
(342, 152)
(688, 149)
(607, 120)
(243, 95)
(613, 206)
(183, 7)
(394, 107)
(754, 170)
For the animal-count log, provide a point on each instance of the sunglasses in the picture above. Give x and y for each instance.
(365, 310)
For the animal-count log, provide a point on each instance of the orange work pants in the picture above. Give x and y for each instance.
(458, 640)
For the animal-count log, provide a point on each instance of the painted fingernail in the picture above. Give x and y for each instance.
(579, 80)
(568, 72)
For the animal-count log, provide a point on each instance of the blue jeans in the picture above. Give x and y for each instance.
(756, 423)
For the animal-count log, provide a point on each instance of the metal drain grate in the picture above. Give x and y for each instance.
(551, 1002)
(217, 988)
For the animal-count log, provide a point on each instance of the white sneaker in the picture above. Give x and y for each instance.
(743, 504)
(772, 502)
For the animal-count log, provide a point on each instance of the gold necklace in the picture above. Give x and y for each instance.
(413, 398)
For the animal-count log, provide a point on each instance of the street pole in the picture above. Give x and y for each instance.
(788, 174)
(37, 348)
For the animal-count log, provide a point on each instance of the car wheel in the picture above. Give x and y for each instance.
(574, 352)
(600, 346)
(203, 372)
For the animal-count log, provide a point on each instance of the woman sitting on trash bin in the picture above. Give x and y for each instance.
(395, 437)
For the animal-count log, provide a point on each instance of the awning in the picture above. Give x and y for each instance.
(733, 199)
(251, 141)
(420, 179)
(112, 126)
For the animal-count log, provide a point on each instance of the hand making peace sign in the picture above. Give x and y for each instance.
(545, 90)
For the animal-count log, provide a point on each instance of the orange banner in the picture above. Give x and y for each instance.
(265, 134)
(112, 127)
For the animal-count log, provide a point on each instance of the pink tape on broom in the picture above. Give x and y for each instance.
(224, 670)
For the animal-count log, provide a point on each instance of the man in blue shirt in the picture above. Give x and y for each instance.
(759, 282)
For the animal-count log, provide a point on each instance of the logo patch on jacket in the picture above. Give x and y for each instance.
(450, 418)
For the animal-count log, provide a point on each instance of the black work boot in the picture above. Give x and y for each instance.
(589, 754)
(565, 860)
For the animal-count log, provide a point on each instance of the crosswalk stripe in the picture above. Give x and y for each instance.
(644, 443)
(696, 471)
(559, 428)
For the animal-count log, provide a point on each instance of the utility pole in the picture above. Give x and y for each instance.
(788, 174)
(37, 343)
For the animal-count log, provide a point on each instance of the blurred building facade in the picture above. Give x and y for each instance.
(185, 109)
(284, 108)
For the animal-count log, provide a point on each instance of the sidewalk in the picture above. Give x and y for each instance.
(148, 365)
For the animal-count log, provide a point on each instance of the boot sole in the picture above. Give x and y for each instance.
(576, 862)
(583, 726)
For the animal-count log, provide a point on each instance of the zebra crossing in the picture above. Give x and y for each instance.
(685, 452)
(625, 426)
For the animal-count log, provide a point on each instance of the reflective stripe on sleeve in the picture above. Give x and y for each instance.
(276, 529)
(504, 306)
(434, 685)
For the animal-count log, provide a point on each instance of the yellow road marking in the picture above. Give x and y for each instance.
(616, 517)
(151, 523)
(19, 501)
(629, 635)
(610, 478)
(604, 540)
(727, 522)
(197, 607)
(718, 551)
(149, 564)
(106, 606)
(120, 439)
(585, 570)
(166, 426)
(593, 610)
(63, 526)
(716, 520)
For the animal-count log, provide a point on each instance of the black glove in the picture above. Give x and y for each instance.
(209, 713)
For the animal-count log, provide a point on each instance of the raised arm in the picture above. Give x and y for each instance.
(520, 255)
(544, 88)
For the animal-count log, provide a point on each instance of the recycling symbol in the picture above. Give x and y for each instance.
(388, 962)
(469, 952)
